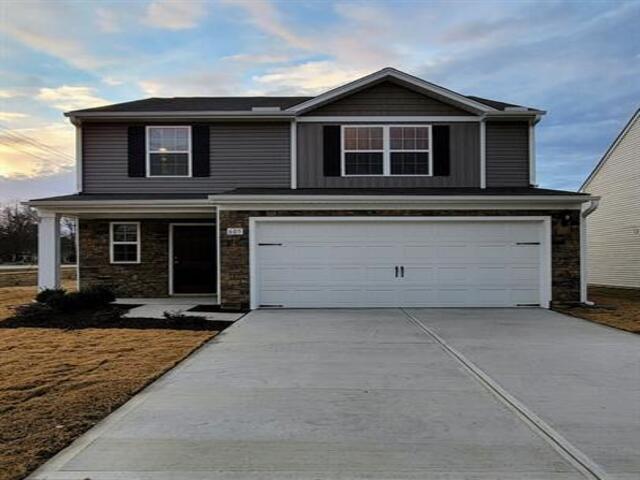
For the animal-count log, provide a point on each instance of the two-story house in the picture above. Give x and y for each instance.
(387, 191)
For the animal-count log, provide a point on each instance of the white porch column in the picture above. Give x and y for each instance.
(48, 250)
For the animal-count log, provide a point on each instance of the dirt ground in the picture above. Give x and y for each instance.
(615, 307)
(56, 384)
(12, 296)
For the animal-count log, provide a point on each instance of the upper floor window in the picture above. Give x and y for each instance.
(169, 151)
(385, 150)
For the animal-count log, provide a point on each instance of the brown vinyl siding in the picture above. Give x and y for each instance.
(242, 155)
(465, 162)
(387, 98)
(507, 154)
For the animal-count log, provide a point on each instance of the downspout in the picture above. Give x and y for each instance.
(593, 206)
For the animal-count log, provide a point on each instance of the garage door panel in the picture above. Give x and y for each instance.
(421, 274)
(352, 264)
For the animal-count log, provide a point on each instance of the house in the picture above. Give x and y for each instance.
(387, 191)
(613, 231)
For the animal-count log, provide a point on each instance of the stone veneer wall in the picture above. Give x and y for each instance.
(149, 278)
(234, 250)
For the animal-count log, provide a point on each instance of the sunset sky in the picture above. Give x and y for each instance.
(580, 61)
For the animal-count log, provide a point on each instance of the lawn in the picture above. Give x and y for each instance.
(55, 384)
(11, 296)
(615, 307)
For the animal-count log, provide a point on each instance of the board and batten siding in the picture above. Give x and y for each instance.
(387, 98)
(507, 154)
(241, 155)
(613, 230)
(464, 157)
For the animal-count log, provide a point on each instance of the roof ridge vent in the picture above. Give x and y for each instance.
(265, 109)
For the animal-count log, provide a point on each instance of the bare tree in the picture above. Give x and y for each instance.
(68, 230)
(18, 234)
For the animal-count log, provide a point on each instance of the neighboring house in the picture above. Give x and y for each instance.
(387, 191)
(613, 231)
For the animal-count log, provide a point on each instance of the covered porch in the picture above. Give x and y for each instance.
(142, 246)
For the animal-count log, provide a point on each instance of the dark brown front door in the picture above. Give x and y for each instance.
(194, 259)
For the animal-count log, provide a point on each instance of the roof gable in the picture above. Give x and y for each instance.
(635, 119)
(387, 97)
(390, 74)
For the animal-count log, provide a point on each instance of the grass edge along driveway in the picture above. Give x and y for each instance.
(56, 384)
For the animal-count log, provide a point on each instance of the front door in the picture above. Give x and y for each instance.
(193, 259)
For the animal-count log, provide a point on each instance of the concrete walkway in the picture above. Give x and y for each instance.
(355, 394)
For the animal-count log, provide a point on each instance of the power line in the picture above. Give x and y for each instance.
(18, 138)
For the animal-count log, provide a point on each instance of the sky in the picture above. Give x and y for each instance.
(579, 61)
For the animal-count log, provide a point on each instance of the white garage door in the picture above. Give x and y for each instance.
(364, 263)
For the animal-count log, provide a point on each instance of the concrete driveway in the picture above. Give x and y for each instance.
(381, 394)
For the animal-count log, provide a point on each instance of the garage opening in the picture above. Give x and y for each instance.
(326, 262)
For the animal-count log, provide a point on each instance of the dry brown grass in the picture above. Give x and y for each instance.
(55, 384)
(13, 296)
(615, 307)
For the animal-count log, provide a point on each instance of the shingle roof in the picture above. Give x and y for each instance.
(229, 104)
(195, 104)
(507, 191)
(496, 104)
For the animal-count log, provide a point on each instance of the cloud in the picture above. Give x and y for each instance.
(8, 94)
(112, 81)
(35, 152)
(256, 58)
(107, 20)
(265, 16)
(308, 78)
(52, 28)
(175, 14)
(68, 97)
(11, 116)
(195, 83)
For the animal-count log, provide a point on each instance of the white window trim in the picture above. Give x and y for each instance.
(148, 152)
(112, 242)
(386, 150)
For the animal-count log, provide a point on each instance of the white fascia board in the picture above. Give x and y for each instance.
(236, 115)
(374, 119)
(111, 208)
(459, 206)
(107, 203)
(517, 113)
(401, 202)
(391, 73)
(225, 199)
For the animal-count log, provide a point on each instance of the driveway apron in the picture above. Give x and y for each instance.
(315, 394)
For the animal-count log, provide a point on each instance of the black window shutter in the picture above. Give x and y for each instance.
(137, 151)
(441, 154)
(331, 150)
(200, 150)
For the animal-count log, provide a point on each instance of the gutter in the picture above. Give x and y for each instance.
(213, 115)
(267, 199)
(593, 206)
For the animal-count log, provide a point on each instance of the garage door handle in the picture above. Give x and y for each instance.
(402, 271)
(397, 271)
